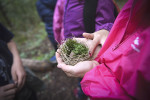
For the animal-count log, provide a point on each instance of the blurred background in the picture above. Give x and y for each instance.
(21, 18)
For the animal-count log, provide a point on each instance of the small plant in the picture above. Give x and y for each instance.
(72, 51)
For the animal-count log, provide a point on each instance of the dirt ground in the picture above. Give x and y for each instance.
(58, 86)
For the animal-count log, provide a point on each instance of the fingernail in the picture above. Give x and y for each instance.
(90, 54)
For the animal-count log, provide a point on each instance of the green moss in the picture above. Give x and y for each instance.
(72, 51)
(80, 49)
(69, 46)
(75, 47)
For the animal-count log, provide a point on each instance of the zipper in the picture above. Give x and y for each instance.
(119, 44)
(121, 41)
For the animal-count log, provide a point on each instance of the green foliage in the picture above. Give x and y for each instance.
(22, 14)
(45, 56)
(21, 17)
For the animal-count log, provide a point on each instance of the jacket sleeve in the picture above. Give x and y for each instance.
(134, 82)
(105, 15)
(58, 21)
(99, 83)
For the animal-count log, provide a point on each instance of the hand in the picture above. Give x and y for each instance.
(89, 43)
(7, 92)
(78, 70)
(98, 37)
(17, 71)
(18, 74)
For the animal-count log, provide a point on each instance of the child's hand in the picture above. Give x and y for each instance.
(78, 70)
(98, 37)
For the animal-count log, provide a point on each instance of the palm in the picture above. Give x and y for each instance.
(81, 68)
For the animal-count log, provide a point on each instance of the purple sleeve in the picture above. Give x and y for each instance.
(104, 15)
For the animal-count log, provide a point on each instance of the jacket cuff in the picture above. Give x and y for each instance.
(106, 26)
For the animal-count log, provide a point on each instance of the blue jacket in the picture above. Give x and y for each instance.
(45, 10)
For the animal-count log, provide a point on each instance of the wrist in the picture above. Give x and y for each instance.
(17, 62)
(95, 63)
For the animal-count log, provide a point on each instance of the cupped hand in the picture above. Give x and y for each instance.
(98, 38)
(77, 70)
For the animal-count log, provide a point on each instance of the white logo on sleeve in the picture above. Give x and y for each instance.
(136, 43)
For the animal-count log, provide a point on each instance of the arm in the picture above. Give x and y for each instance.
(18, 72)
(99, 83)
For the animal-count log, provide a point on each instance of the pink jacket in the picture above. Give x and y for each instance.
(58, 21)
(124, 70)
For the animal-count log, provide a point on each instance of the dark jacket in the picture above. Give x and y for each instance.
(6, 58)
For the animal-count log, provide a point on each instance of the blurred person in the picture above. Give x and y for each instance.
(45, 10)
(121, 69)
(72, 18)
(12, 73)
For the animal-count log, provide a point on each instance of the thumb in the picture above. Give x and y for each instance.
(102, 41)
(88, 35)
(93, 46)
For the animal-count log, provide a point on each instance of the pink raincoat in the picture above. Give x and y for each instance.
(124, 70)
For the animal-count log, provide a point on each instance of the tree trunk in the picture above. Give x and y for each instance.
(38, 66)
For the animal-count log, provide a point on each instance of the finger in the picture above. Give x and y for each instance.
(10, 92)
(66, 69)
(88, 35)
(61, 65)
(68, 74)
(58, 58)
(20, 81)
(93, 47)
(14, 76)
(9, 86)
(11, 97)
(69, 69)
(24, 79)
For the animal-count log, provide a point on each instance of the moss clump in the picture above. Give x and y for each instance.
(72, 51)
